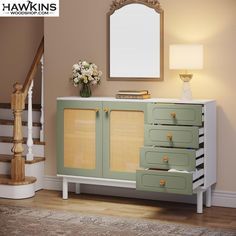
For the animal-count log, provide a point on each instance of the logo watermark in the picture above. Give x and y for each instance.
(37, 8)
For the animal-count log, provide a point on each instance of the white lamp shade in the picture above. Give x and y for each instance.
(186, 56)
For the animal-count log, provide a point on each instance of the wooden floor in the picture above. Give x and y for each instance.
(134, 208)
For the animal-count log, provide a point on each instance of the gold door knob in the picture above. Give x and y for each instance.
(173, 115)
(106, 109)
(169, 137)
(165, 159)
(162, 182)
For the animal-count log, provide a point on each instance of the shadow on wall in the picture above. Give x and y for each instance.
(18, 46)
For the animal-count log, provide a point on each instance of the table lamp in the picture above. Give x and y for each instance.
(186, 57)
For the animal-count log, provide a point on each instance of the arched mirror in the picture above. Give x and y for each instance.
(135, 36)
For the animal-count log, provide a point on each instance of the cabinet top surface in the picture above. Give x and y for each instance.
(161, 100)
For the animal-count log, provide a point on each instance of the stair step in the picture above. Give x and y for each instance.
(8, 158)
(5, 158)
(4, 139)
(38, 150)
(11, 122)
(6, 180)
(35, 107)
(6, 127)
(7, 114)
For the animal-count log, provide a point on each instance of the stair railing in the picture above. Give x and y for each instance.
(17, 105)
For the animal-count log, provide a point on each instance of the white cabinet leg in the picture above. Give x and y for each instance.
(77, 188)
(208, 197)
(200, 202)
(65, 189)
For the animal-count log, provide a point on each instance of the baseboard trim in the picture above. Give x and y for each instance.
(52, 183)
(219, 198)
(224, 198)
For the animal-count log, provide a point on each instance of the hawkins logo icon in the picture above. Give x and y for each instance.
(39, 8)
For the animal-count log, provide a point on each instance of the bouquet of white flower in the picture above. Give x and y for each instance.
(85, 73)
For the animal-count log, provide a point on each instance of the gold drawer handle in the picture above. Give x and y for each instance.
(106, 109)
(165, 159)
(169, 137)
(96, 110)
(173, 115)
(162, 182)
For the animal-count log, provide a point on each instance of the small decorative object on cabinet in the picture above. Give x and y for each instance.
(133, 94)
(85, 74)
(107, 141)
(85, 90)
(186, 57)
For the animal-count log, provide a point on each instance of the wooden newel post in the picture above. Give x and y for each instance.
(18, 162)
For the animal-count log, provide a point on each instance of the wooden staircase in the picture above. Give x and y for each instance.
(20, 134)
(34, 169)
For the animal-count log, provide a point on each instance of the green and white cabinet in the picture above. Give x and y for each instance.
(159, 145)
(98, 141)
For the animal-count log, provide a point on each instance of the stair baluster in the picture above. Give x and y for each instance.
(30, 143)
(18, 162)
(42, 102)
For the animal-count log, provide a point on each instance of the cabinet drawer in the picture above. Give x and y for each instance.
(170, 158)
(168, 182)
(172, 136)
(174, 114)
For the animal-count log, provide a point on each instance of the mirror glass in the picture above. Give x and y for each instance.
(135, 51)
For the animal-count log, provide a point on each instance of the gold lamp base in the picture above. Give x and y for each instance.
(186, 77)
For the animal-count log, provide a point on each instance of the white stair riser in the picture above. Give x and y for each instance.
(38, 150)
(35, 170)
(7, 114)
(7, 130)
(5, 168)
(17, 191)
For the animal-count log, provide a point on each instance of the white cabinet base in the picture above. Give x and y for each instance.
(90, 180)
(208, 197)
(124, 184)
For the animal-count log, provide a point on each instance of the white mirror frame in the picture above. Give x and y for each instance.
(155, 71)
